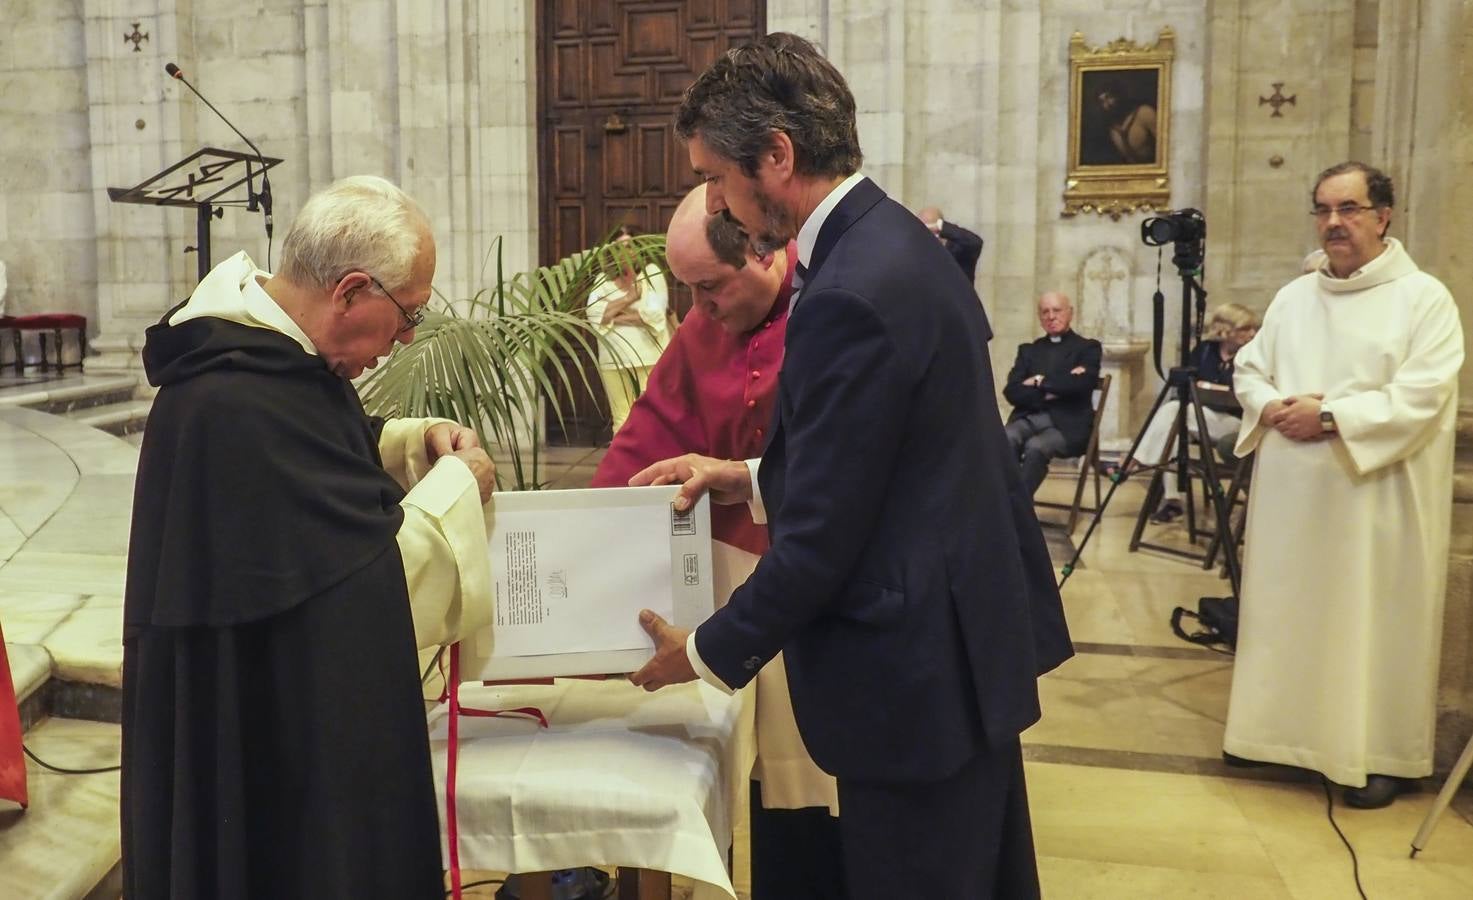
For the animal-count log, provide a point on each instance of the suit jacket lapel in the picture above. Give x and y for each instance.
(860, 200)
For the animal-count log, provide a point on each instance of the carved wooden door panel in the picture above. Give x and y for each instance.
(611, 73)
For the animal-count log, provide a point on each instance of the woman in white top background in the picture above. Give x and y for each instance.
(631, 310)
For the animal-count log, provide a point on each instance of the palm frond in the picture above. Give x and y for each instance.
(490, 360)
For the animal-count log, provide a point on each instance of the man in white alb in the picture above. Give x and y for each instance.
(1349, 396)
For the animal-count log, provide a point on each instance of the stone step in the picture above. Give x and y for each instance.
(30, 669)
(118, 418)
(66, 845)
(72, 392)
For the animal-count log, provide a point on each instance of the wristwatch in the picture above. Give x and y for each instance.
(1327, 418)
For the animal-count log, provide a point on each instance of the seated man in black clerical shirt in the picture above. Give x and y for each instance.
(1050, 387)
(964, 246)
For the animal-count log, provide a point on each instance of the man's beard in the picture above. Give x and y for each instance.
(775, 229)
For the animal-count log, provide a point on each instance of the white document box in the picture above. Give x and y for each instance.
(572, 569)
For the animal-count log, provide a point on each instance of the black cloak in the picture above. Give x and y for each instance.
(274, 739)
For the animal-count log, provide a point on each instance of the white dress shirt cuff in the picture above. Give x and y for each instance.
(699, 665)
(759, 512)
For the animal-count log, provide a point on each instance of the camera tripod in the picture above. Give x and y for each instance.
(1181, 385)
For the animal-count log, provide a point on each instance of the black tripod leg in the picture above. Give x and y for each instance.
(1235, 489)
(1154, 489)
(1100, 507)
(1157, 489)
(1219, 501)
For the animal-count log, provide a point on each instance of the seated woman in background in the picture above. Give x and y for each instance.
(631, 312)
(1228, 328)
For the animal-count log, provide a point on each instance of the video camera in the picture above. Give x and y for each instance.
(1179, 227)
(1186, 230)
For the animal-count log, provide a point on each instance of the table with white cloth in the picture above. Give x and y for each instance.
(653, 781)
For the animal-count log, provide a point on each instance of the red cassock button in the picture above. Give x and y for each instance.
(751, 403)
(756, 374)
(759, 432)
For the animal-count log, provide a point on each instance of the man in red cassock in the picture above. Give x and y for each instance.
(712, 393)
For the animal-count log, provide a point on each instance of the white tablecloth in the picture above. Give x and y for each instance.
(622, 777)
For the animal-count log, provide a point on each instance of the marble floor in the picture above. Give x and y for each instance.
(1130, 798)
(1129, 795)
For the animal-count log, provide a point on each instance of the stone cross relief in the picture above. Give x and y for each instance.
(136, 38)
(1104, 308)
(1277, 99)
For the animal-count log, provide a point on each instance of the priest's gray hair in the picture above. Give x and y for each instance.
(362, 223)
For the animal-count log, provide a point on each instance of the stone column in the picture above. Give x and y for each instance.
(1260, 167)
(135, 131)
(46, 203)
(1422, 123)
(439, 99)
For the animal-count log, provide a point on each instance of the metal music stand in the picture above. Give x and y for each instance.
(203, 180)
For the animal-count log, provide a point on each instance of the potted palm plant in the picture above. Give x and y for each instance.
(492, 360)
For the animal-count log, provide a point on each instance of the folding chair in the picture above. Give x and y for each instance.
(1088, 465)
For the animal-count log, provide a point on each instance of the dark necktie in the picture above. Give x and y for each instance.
(799, 277)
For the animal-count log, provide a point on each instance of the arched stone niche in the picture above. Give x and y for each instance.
(1103, 310)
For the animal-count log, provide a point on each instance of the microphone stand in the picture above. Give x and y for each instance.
(263, 198)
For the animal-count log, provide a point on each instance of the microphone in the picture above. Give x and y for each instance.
(265, 195)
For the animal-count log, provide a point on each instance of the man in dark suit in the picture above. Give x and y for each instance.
(1050, 388)
(964, 246)
(907, 582)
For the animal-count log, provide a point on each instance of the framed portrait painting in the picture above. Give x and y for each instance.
(1119, 126)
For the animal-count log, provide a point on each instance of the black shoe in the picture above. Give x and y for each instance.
(1169, 511)
(1379, 791)
(1238, 762)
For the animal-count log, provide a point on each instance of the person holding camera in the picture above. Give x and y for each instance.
(1350, 398)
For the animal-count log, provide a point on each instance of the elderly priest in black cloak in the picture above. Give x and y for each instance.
(288, 556)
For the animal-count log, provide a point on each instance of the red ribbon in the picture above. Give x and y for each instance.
(452, 837)
(452, 751)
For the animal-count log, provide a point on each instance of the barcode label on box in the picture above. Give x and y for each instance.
(681, 522)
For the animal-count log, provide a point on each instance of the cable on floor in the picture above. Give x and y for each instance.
(1330, 813)
(63, 771)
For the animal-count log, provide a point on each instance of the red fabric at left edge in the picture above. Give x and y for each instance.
(12, 761)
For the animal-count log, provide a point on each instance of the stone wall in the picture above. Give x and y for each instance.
(436, 97)
(964, 104)
(46, 225)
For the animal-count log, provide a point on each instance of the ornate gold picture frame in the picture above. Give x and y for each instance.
(1119, 126)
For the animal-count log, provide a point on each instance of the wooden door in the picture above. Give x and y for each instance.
(610, 75)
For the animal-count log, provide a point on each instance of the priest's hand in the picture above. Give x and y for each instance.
(481, 467)
(444, 438)
(1299, 418)
(671, 664)
(728, 480)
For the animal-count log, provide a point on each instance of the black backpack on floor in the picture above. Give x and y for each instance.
(1217, 620)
